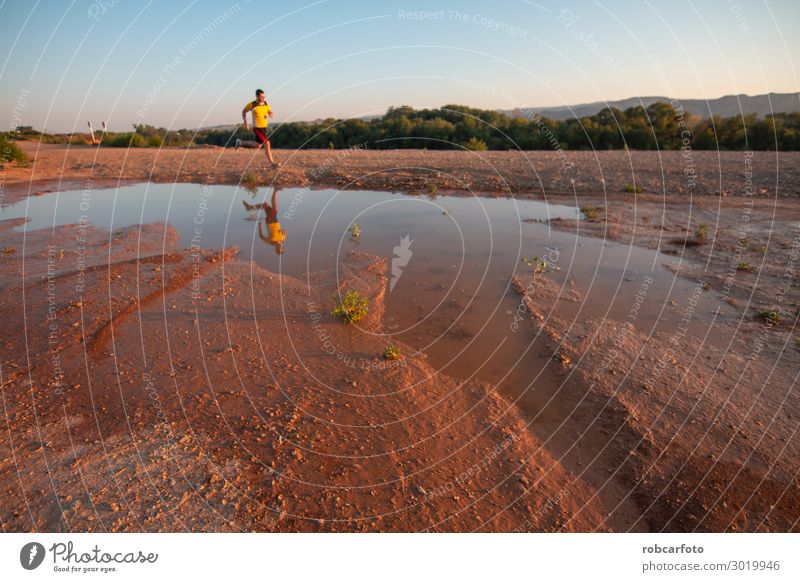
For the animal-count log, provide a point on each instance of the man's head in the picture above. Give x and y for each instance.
(260, 95)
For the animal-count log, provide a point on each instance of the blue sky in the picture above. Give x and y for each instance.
(190, 63)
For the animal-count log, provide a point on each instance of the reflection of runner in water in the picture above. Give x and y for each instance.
(275, 234)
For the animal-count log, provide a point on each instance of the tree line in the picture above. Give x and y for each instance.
(658, 126)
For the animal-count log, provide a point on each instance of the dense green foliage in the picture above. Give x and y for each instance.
(149, 136)
(659, 126)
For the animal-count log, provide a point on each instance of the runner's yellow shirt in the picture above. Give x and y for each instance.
(260, 113)
(276, 234)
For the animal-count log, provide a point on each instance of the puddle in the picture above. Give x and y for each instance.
(454, 259)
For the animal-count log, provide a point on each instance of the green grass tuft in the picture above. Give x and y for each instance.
(250, 178)
(391, 352)
(352, 309)
(771, 316)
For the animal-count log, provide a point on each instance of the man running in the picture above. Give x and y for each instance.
(261, 113)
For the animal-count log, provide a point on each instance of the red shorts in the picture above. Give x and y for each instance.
(261, 134)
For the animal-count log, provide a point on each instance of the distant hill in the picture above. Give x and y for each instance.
(728, 106)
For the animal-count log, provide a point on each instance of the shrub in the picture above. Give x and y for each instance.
(127, 140)
(744, 266)
(631, 189)
(250, 178)
(10, 152)
(352, 308)
(701, 232)
(476, 145)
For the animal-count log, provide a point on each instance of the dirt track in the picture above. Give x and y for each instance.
(540, 173)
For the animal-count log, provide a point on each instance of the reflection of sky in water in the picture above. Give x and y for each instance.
(453, 299)
(316, 221)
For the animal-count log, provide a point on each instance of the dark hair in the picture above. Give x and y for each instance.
(259, 92)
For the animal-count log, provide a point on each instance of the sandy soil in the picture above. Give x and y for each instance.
(540, 173)
(198, 392)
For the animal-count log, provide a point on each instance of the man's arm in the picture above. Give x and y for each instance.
(247, 108)
(270, 112)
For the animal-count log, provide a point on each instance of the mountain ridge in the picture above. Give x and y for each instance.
(725, 106)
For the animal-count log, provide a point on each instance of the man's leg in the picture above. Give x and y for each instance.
(262, 206)
(261, 137)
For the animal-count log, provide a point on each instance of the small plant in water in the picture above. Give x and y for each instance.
(391, 352)
(355, 230)
(591, 213)
(537, 264)
(352, 308)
